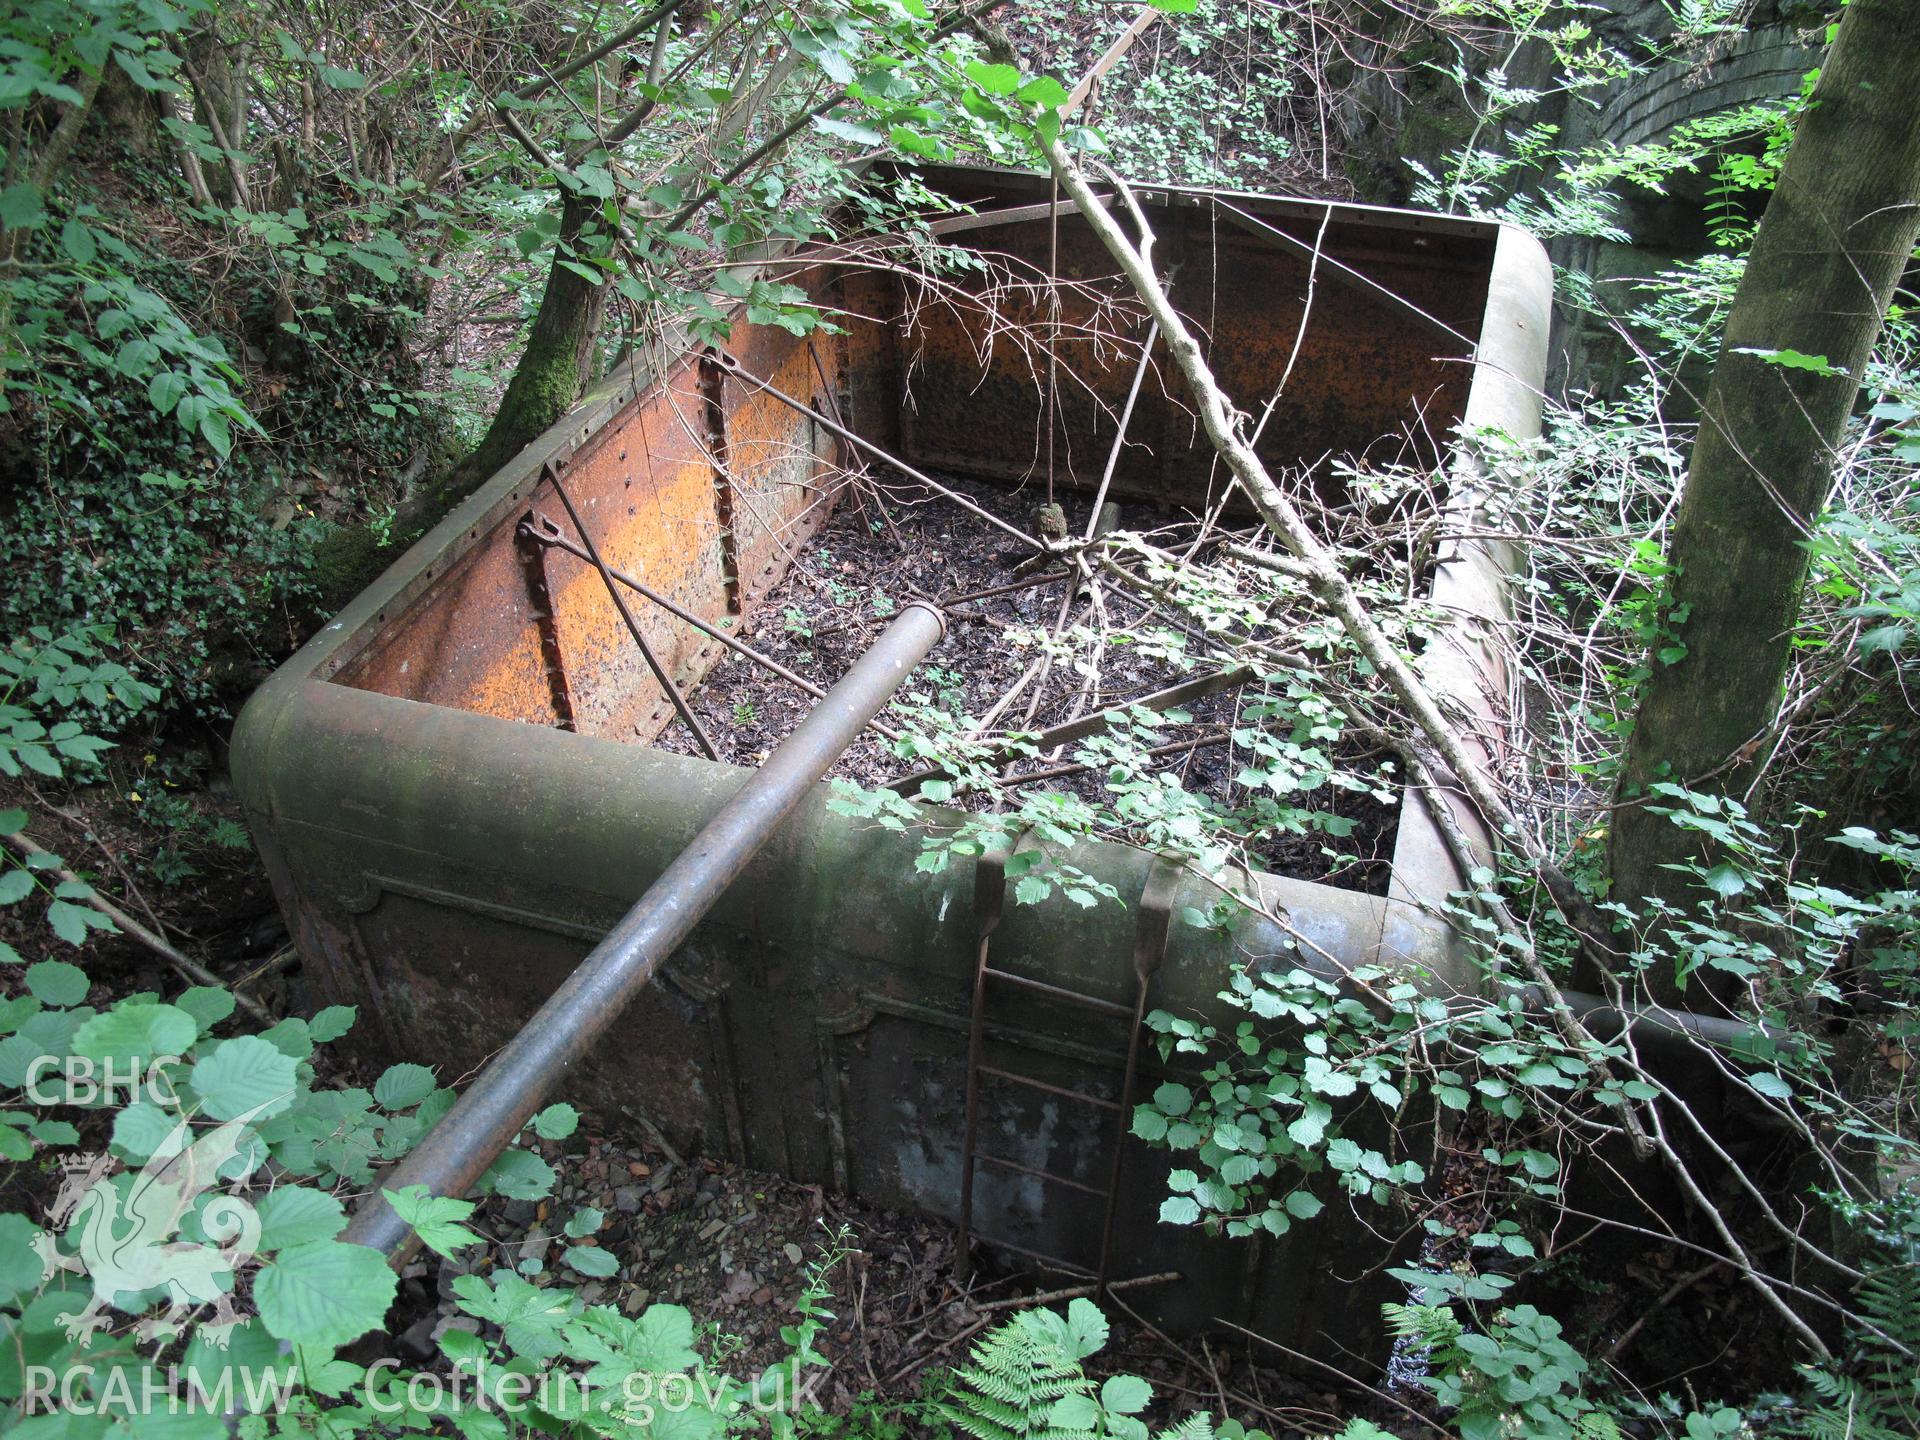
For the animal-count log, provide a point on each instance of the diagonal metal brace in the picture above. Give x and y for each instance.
(692, 721)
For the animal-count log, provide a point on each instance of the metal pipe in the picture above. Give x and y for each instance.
(1668, 1029)
(484, 1121)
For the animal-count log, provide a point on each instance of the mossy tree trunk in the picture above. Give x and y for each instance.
(558, 362)
(553, 371)
(1826, 259)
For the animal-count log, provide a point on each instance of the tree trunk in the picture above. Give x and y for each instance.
(1829, 252)
(558, 361)
(217, 101)
(552, 373)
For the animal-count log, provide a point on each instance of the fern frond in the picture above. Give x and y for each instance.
(1198, 1426)
(1430, 1325)
(1013, 1379)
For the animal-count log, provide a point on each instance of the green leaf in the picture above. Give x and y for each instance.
(244, 1358)
(403, 1086)
(324, 1293)
(1304, 1205)
(843, 130)
(295, 1215)
(1031, 890)
(1179, 1210)
(290, 1038)
(245, 1076)
(136, 1032)
(913, 142)
(77, 240)
(15, 886)
(519, 1175)
(142, 1128)
(1175, 7)
(216, 432)
(1086, 1330)
(1771, 1085)
(331, 1023)
(55, 982)
(342, 79)
(165, 389)
(1345, 1155)
(583, 1223)
(1792, 360)
(21, 207)
(17, 1056)
(1239, 1169)
(1044, 90)
(69, 921)
(435, 1218)
(592, 1260)
(1071, 1415)
(19, 1262)
(1126, 1394)
(1173, 1099)
(556, 1122)
(1311, 1127)
(208, 1004)
(994, 79)
(137, 71)
(1725, 880)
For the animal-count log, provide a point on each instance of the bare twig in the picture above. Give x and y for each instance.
(187, 967)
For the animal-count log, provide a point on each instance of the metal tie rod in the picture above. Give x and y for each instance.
(485, 1120)
(541, 531)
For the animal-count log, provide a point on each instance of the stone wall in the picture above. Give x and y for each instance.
(1414, 112)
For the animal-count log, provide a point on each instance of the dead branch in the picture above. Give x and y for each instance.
(187, 967)
(1329, 584)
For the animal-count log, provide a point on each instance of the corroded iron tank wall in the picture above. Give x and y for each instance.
(452, 791)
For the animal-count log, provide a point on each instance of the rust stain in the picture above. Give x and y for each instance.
(928, 381)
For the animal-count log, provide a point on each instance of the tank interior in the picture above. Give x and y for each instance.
(724, 485)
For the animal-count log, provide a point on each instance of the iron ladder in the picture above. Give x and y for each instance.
(1149, 948)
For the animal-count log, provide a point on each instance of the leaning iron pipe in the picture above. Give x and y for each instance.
(485, 1120)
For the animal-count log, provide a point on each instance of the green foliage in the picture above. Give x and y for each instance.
(54, 686)
(225, 1178)
(148, 502)
(1517, 168)
(164, 802)
(1518, 1377)
(1212, 107)
(57, 690)
(1025, 1381)
(1875, 1395)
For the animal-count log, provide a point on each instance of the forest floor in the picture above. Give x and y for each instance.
(886, 545)
(734, 1245)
